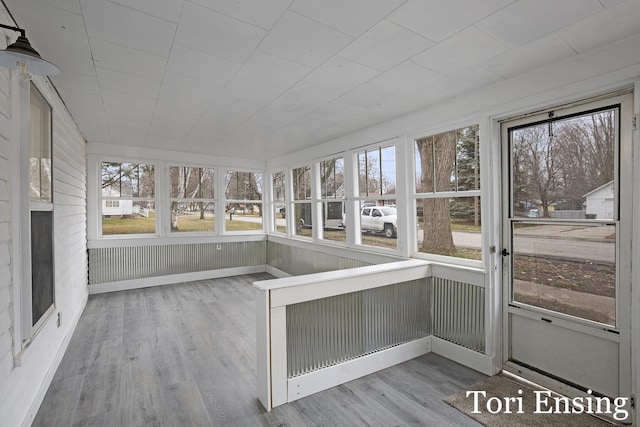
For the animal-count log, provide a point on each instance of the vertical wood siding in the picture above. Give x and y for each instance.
(137, 262)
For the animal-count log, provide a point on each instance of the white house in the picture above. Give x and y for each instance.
(600, 202)
(114, 207)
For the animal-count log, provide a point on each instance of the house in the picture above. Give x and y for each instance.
(186, 92)
(113, 207)
(599, 202)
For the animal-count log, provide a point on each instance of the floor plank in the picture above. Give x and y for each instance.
(185, 355)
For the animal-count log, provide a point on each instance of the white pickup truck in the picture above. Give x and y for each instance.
(380, 219)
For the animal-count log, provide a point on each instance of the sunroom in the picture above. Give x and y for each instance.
(370, 183)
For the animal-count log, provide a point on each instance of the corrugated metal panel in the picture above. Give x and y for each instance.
(458, 313)
(329, 331)
(125, 263)
(298, 261)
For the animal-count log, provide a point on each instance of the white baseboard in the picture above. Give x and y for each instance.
(332, 376)
(51, 372)
(148, 282)
(276, 272)
(474, 360)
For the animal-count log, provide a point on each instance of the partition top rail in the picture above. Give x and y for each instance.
(297, 289)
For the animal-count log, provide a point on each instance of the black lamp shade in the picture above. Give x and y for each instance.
(21, 51)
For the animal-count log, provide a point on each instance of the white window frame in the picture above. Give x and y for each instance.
(322, 201)
(358, 199)
(224, 201)
(273, 215)
(484, 160)
(23, 329)
(292, 222)
(157, 168)
(166, 202)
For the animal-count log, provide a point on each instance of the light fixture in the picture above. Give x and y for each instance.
(24, 58)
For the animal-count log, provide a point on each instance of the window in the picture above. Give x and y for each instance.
(564, 209)
(41, 211)
(302, 200)
(192, 204)
(278, 203)
(448, 193)
(243, 194)
(332, 193)
(377, 188)
(130, 187)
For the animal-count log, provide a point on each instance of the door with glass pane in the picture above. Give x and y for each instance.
(566, 247)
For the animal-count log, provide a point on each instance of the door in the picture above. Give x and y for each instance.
(567, 271)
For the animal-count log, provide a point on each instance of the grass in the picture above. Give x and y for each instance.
(135, 225)
(236, 225)
(187, 222)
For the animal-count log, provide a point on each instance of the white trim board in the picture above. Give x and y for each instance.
(314, 382)
(472, 359)
(53, 368)
(148, 282)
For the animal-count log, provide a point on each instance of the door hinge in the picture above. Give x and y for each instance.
(635, 121)
(632, 400)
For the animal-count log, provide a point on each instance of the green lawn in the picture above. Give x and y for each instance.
(186, 223)
(135, 225)
(238, 225)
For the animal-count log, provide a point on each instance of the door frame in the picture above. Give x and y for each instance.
(623, 249)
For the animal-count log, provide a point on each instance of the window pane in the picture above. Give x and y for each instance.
(302, 183)
(128, 180)
(444, 148)
(332, 178)
(568, 269)
(468, 159)
(130, 217)
(40, 148)
(188, 215)
(302, 219)
(279, 187)
(565, 167)
(388, 170)
(243, 216)
(424, 165)
(42, 274)
(448, 161)
(450, 226)
(334, 217)
(369, 171)
(243, 186)
(378, 224)
(191, 183)
(279, 217)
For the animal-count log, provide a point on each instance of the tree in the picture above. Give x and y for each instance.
(372, 179)
(557, 162)
(244, 186)
(467, 175)
(587, 156)
(538, 153)
(437, 165)
(190, 183)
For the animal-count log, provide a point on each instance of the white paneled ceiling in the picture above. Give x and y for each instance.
(259, 79)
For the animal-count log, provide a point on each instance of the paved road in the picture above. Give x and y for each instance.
(573, 247)
(588, 243)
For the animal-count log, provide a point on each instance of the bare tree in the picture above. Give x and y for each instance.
(539, 158)
(587, 155)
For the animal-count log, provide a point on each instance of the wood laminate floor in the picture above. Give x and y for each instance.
(184, 355)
